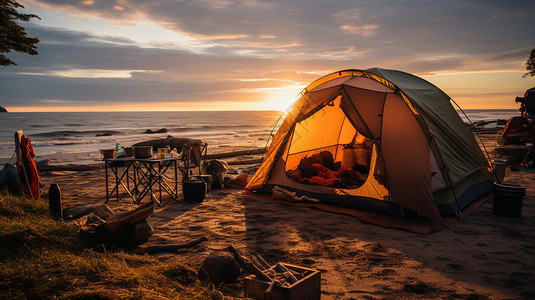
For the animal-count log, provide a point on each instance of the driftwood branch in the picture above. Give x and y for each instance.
(248, 265)
(263, 262)
(69, 167)
(170, 248)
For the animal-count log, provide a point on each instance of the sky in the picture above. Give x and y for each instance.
(132, 55)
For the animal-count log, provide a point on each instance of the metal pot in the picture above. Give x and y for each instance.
(143, 152)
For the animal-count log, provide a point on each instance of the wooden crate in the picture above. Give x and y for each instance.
(307, 288)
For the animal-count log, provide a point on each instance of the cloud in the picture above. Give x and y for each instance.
(237, 46)
(301, 28)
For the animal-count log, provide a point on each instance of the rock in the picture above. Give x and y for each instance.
(219, 268)
(172, 142)
(143, 231)
(103, 134)
(148, 131)
(2, 109)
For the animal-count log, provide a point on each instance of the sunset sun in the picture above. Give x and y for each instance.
(282, 98)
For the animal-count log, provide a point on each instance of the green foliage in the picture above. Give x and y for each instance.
(41, 258)
(530, 64)
(12, 35)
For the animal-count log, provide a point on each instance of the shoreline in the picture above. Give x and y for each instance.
(483, 256)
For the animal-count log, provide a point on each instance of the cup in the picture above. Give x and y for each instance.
(161, 152)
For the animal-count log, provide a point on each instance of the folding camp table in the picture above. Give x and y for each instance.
(139, 178)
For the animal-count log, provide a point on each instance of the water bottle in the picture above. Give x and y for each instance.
(54, 202)
(119, 151)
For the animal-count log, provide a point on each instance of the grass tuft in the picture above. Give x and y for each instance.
(44, 258)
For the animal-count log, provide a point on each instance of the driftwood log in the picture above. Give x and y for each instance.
(244, 162)
(44, 165)
(236, 153)
(169, 248)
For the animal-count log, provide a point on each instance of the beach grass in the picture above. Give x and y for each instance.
(43, 258)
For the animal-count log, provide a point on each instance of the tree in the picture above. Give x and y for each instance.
(12, 35)
(530, 64)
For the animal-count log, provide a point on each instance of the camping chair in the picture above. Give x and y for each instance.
(193, 153)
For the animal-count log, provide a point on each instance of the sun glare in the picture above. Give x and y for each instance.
(282, 98)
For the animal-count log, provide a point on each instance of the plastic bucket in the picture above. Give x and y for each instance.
(508, 198)
(194, 191)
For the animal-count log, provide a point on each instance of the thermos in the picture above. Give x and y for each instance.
(54, 201)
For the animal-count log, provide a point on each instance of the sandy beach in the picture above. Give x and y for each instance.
(484, 256)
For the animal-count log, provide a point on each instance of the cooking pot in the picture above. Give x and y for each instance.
(143, 152)
(107, 153)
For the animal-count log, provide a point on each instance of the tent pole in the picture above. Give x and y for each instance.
(445, 170)
(271, 134)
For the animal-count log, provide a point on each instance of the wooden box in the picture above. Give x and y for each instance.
(307, 288)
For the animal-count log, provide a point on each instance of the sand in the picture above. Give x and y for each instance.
(485, 256)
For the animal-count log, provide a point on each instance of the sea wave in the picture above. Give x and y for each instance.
(210, 127)
(76, 133)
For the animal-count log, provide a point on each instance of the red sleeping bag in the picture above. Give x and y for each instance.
(325, 177)
(330, 178)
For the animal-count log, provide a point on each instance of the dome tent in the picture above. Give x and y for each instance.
(422, 159)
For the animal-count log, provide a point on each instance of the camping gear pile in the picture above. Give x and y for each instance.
(22, 178)
(421, 158)
(521, 129)
(516, 141)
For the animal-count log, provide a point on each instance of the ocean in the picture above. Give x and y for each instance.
(72, 137)
(77, 137)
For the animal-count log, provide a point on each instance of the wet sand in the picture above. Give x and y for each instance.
(485, 256)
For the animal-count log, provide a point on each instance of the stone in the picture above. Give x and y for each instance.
(218, 268)
(149, 131)
(143, 231)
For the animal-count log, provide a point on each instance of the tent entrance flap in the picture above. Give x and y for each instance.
(327, 150)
